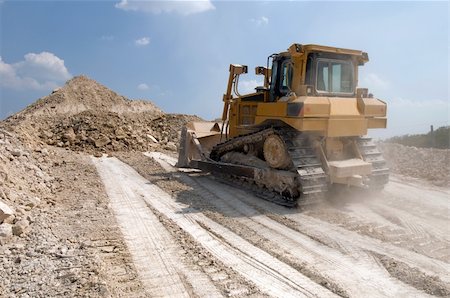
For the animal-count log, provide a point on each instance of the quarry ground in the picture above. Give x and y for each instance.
(133, 225)
(91, 205)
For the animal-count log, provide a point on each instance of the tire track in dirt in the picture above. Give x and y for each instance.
(433, 268)
(358, 276)
(425, 261)
(269, 274)
(431, 272)
(417, 198)
(419, 225)
(351, 241)
(364, 214)
(154, 251)
(420, 235)
(330, 233)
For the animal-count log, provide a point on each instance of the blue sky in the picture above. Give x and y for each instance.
(177, 53)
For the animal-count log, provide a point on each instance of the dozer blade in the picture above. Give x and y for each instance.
(197, 140)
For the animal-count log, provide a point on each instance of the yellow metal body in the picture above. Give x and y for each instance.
(331, 119)
(326, 116)
(329, 116)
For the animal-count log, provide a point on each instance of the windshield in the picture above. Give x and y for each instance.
(334, 76)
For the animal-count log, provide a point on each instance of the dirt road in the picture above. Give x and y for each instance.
(191, 235)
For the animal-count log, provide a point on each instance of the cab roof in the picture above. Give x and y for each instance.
(296, 48)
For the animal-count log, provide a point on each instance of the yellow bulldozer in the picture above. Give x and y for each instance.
(299, 134)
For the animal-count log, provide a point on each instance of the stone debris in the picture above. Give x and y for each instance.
(33, 202)
(86, 116)
(20, 227)
(424, 163)
(98, 154)
(16, 153)
(51, 199)
(102, 141)
(10, 219)
(69, 136)
(152, 138)
(5, 211)
(24, 180)
(5, 230)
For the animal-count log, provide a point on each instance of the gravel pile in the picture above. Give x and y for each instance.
(424, 163)
(24, 184)
(102, 132)
(86, 116)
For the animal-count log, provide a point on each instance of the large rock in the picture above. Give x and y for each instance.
(16, 152)
(5, 230)
(102, 141)
(20, 227)
(98, 154)
(154, 140)
(170, 146)
(120, 134)
(5, 211)
(44, 152)
(3, 176)
(47, 134)
(33, 202)
(69, 136)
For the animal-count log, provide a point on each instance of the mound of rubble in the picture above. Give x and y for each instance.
(57, 235)
(24, 182)
(95, 132)
(424, 163)
(86, 116)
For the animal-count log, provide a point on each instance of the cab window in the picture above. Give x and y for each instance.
(286, 77)
(334, 76)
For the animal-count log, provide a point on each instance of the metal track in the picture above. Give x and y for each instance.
(311, 183)
(370, 153)
(313, 180)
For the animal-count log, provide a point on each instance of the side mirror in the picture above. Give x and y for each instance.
(260, 70)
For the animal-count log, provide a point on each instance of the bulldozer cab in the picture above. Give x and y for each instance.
(314, 71)
(308, 87)
(330, 74)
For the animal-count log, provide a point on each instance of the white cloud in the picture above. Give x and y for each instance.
(374, 81)
(260, 21)
(43, 71)
(143, 87)
(248, 86)
(142, 41)
(183, 7)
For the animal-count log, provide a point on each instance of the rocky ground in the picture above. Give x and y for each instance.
(57, 234)
(59, 238)
(65, 229)
(424, 163)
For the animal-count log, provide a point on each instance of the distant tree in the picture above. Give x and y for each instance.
(441, 139)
